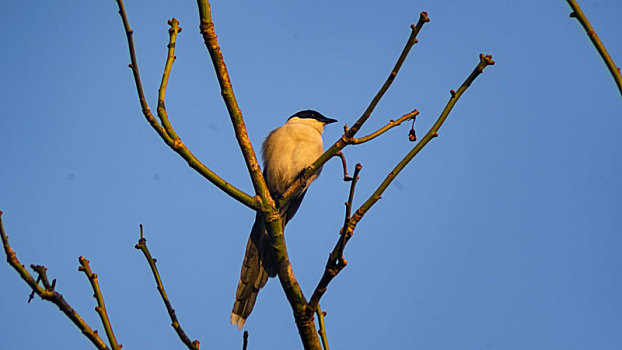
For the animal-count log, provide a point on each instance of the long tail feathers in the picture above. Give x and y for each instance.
(256, 268)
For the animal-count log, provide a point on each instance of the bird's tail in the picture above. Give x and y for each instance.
(257, 266)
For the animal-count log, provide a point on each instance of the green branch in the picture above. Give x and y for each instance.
(322, 329)
(142, 246)
(49, 293)
(226, 90)
(591, 33)
(170, 58)
(101, 306)
(170, 137)
(391, 124)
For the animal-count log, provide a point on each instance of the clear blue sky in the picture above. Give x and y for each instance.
(505, 233)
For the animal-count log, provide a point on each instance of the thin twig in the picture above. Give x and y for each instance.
(591, 33)
(322, 329)
(342, 141)
(245, 340)
(176, 144)
(49, 295)
(344, 165)
(392, 123)
(485, 60)
(142, 246)
(173, 31)
(336, 262)
(43, 277)
(101, 306)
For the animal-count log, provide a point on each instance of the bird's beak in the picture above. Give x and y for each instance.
(329, 120)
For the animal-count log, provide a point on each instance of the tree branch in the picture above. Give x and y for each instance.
(162, 114)
(322, 329)
(342, 141)
(392, 123)
(101, 307)
(591, 33)
(336, 261)
(142, 246)
(49, 294)
(226, 90)
(175, 143)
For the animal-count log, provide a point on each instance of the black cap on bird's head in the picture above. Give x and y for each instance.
(309, 114)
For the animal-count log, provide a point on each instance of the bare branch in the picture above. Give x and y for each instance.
(226, 90)
(162, 114)
(49, 295)
(336, 262)
(579, 15)
(322, 329)
(142, 246)
(344, 165)
(176, 144)
(101, 306)
(392, 123)
(43, 278)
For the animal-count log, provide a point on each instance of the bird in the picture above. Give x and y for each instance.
(287, 151)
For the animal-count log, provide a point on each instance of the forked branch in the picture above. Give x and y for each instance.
(49, 293)
(169, 136)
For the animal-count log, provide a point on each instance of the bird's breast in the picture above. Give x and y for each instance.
(287, 151)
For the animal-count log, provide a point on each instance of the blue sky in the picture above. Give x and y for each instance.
(504, 233)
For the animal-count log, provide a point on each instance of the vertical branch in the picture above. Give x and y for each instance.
(142, 246)
(322, 329)
(336, 261)
(170, 58)
(591, 33)
(226, 90)
(297, 301)
(101, 307)
(49, 294)
(245, 340)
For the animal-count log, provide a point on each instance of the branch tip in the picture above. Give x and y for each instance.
(423, 16)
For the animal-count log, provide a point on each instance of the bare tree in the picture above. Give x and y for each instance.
(304, 310)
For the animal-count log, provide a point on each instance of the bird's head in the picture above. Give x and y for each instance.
(311, 118)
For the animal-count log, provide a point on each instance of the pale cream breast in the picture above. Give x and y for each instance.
(290, 149)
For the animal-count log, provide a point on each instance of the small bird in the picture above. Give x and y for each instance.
(287, 151)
